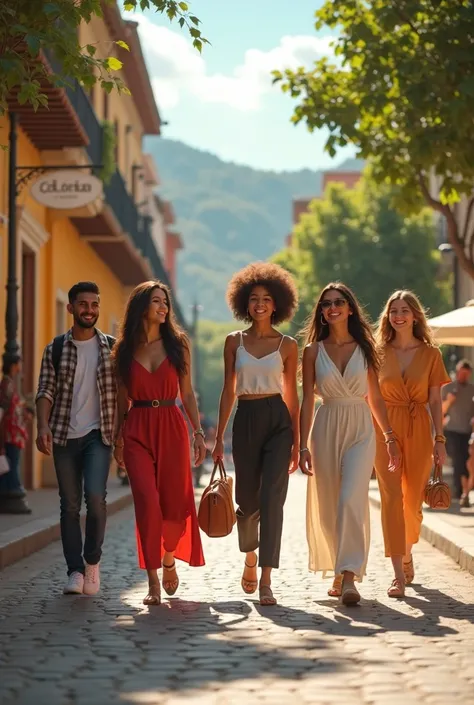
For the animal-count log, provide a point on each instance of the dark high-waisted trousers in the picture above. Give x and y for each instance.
(262, 439)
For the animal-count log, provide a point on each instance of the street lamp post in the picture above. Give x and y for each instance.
(447, 252)
(196, 308)
(12, 347)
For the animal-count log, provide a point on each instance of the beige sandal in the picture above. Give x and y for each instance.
(154, 595)
(336, 589)
(267, 598)
(249, 586)
(350, 595)
(170, 586)
(409, 571)
(397, 588)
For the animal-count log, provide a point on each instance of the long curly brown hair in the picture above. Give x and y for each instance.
(132, 331)
(358, 324)
(277, 281)
(421, 330)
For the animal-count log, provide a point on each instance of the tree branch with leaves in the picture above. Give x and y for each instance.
(400, 88)
(31, 30)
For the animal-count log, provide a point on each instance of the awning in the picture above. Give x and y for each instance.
(455, 327)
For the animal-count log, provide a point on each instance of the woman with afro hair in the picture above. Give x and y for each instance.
(260, 370)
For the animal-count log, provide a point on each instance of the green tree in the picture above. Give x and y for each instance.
(30, 27)
(356, 236)
(401, 89)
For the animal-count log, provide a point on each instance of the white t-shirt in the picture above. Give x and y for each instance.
(85, 407)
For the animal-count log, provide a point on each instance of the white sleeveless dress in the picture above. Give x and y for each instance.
(343, 453)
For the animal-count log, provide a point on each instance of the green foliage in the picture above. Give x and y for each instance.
(356, 236)
(229, 215)
(29, 27)
(109, 139)
(400, 89)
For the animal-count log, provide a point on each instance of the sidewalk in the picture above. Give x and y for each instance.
(21, 535)
(451, 531)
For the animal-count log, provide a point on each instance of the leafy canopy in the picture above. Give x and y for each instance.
(400, 88)
(28, 27)
(356, 236)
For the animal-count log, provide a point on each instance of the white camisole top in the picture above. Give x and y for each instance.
(256, 375)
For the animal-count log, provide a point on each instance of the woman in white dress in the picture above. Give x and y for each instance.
(340, 364)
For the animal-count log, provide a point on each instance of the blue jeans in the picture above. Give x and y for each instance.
(83, 461)
(11, 481)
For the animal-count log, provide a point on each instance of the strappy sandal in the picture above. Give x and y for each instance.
(350, 595)
(409, 571)
(249, 586)
(267, 598)
(170, 586)
(336, 589)
(397, 588)
(154, 595)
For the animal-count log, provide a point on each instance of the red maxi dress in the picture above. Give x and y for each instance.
(157, 460)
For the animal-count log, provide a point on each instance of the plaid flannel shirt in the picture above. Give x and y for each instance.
(59, 391)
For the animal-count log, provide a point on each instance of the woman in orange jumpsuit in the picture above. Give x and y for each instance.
(411, 376)
(153, 365)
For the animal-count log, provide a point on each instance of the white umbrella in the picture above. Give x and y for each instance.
(455, 327)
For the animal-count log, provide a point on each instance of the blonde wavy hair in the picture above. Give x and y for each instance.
(421, 330)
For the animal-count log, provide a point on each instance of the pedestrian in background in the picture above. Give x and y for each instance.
(411, 375)
(458, 410)
(75, 405)
(153, 364)
(340, 364)
(14, 416)
(260, 370)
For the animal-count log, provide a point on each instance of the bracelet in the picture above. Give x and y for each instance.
(388, 433)
(391, 440)
(303, 450)
(199, 432)
(439, 438)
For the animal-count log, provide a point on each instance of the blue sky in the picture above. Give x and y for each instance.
(223, 101)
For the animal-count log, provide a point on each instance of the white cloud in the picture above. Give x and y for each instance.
(176, 67)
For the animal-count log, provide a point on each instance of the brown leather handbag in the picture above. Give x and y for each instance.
(216, 514)
(437, 492)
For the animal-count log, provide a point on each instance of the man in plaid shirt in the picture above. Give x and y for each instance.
(75, 405)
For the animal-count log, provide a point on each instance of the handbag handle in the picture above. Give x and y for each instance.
(218, 465)
(438, 472)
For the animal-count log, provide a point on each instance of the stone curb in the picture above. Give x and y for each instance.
(448, 539)
(22, 541)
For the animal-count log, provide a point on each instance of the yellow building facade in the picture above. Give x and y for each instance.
(110, 245)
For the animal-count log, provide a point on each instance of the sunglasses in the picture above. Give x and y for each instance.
(338, 303)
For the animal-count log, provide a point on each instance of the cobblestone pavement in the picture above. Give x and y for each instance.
(212, 645)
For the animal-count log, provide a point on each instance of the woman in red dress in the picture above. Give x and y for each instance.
(153, 365)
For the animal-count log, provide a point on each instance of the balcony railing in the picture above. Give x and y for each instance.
(115, 192)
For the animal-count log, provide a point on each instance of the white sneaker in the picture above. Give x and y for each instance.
(75, 584)
(92, 579)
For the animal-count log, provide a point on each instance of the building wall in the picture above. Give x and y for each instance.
(119, 109)
(59, 257)
(158, 228)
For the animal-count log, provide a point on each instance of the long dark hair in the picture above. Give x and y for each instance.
(132, 329)
(358, 324)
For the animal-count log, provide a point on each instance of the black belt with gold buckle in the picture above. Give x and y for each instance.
(152, 403)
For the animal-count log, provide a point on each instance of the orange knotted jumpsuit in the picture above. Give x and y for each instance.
(406, 397)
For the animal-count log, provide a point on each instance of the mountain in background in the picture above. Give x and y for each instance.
(228, 215)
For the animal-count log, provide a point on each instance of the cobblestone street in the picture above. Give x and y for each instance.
(212, 645)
